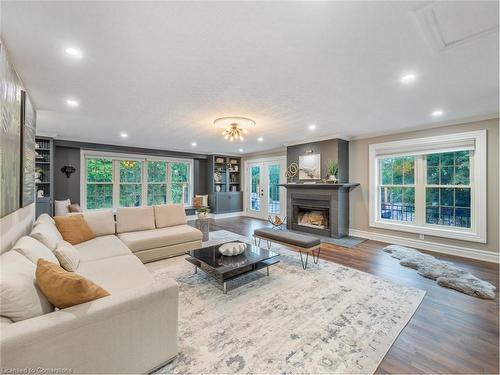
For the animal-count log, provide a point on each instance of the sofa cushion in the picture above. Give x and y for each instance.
(74, 229)
(67, 255)
(131, 219)
(20, 297)
(34, 250)
(44, 218)
(101, 248)
(150, 239)
(102, 223)
(47, 234)
(168, 215)
(65, 289)
(116, 274)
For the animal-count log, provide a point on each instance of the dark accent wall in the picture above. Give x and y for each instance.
(68, 153)
(331, 149)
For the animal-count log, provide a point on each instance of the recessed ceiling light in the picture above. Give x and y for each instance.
(437, 113)
(123, 135)
(74, 52)
(72, 103)
(194, 144)
(408, 78)
(240, 150)
(260, 139)
(312, 127)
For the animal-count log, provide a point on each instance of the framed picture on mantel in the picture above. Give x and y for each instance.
(310, 167)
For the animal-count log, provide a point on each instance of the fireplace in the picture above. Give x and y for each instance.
(311, 214)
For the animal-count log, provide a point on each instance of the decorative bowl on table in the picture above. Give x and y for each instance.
(232, 248)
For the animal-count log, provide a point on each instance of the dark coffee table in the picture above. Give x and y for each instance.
(225, 268)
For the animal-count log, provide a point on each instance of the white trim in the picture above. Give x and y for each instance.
(459, 251)
(477, 232)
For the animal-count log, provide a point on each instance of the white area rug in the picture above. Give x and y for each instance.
(326, 319)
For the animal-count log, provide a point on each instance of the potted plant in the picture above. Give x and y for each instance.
(333, 166)
(202, 212)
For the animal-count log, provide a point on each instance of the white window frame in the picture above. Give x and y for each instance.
(417, 147)
(143, 159)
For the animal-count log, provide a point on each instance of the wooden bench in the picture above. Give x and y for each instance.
(300, 242)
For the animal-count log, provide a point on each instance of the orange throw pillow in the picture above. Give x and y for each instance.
(65, 289)
(74, 229)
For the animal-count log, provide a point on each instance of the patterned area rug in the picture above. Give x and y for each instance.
(326, 319)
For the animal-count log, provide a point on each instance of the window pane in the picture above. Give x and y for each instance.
(180, 172)
(462, 217)
(462, 197)
(179, 192)
(432, 196)
(447, 197)
(397, 203)
(130, 171)
(99, 196)
(446, 175)
(432, 160)
(462, 175)
(447, 159)
(274, 189)
(157, 171)
(409, 170)
(397, 171)
(99, 170)
(386, 169)
(130, 195)
(157, 194)
(433, 175)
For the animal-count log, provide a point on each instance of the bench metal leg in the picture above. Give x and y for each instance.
(267, 268)
(195, 270)
(304, 265)
(316, 259)
(269, 244)
(225, 287)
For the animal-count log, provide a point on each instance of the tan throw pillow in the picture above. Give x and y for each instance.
(67, 255)
(74, 229)
(74, 207)
(65, 289)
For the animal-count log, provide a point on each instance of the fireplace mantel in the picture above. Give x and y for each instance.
(301, 185)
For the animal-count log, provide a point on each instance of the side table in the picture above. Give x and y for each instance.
(203, 226)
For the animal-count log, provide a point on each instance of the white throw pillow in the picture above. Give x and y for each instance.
(168, 215)
(102, 223)
(46, 234)
(20, 297)
(34, 250)
(61, 208)
(204, 200)
(67, 255)
(44, 218)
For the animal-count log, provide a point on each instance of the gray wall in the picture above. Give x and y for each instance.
(358, 156)
(331, 149)
(68, 153)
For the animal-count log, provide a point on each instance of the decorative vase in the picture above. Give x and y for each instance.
(332, 178)
(202, 215)
(232, 248)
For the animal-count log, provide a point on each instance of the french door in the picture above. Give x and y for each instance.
(264, 197)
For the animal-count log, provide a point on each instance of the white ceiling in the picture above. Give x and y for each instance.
(163, 71)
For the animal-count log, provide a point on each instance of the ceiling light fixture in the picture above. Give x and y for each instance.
(311, 127)
(240, 150)
(408, 78)
(437, 113)
(194, 144)
(72, 103)
(260, 139)
(74, 53)
(234, 127)
(123, 135)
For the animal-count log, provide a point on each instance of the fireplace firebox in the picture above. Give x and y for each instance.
(311, 216)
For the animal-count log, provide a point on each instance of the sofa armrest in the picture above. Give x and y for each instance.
(133, 331)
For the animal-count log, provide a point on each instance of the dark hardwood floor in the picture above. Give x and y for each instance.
(450, 332)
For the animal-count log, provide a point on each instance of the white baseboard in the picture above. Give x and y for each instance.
(217, 216)
(460, 251)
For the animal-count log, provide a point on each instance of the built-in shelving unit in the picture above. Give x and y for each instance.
(225, 184)
(44, 181)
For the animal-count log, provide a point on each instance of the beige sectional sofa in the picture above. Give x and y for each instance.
(133, 330)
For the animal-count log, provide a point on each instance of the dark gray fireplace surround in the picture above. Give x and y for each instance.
(332, 199)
